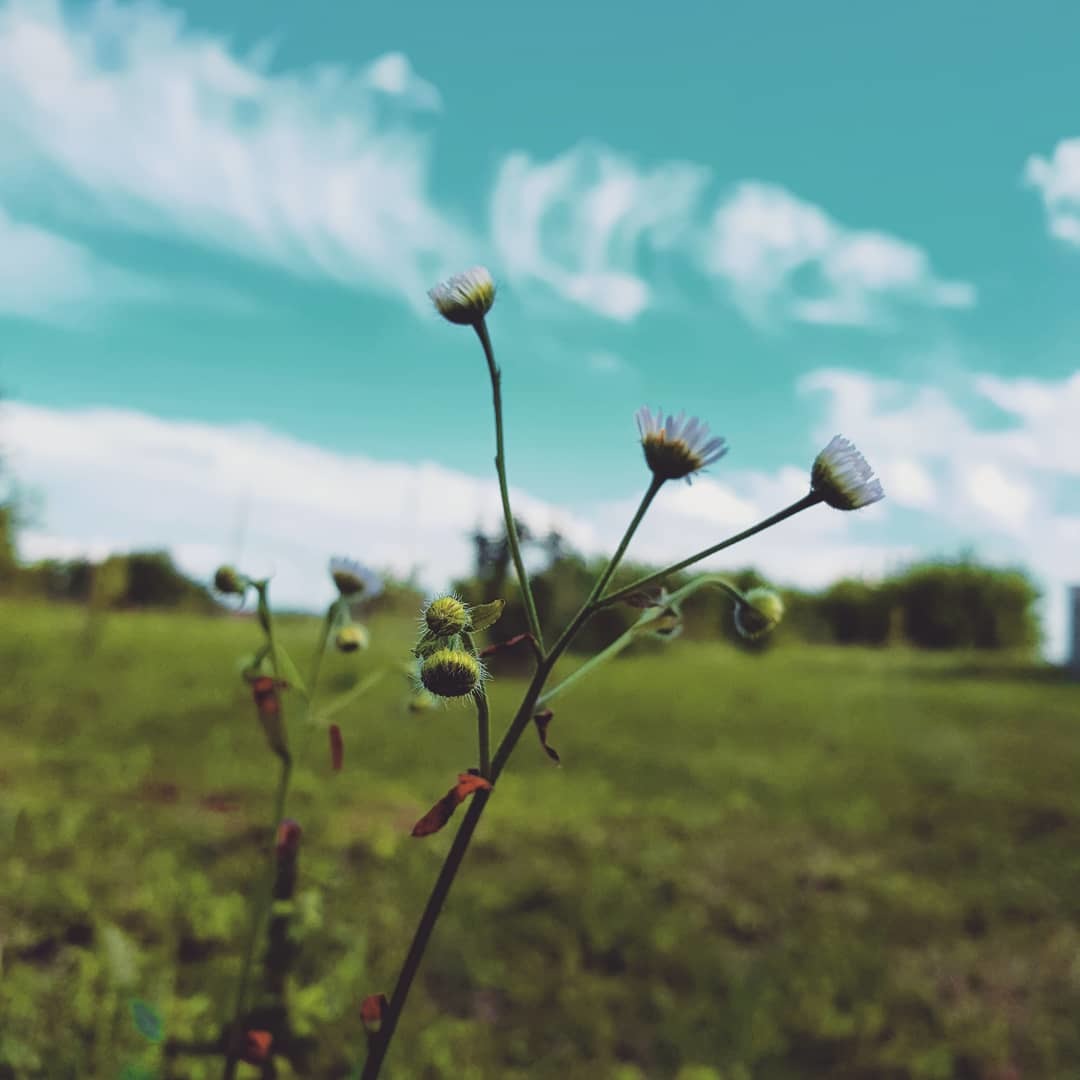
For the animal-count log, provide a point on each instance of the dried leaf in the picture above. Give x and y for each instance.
(486, 615)
(257, 1047)
(337, 748)
(372, 1010)
(264, 689)
(542, 719)
(443, 810)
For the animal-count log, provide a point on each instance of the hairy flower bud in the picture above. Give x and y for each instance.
(451, 673)
(446, 616)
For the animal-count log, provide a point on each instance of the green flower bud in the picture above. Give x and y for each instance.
(451, 673)
(446, 616)
(352, 637)
(758, 613)
(228, 580)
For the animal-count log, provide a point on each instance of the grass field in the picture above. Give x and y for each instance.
(812, 863)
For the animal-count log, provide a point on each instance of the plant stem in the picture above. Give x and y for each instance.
(379, 1044)
(262, 909)
(500, 467)
(812, 499)
(483, 718)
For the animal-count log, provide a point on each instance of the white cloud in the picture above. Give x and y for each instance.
(580, 223)
(46, 276)
(787, 258)
(1057, 180)
(166, 130)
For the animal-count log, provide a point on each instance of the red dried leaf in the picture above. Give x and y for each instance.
(443, 810)
(498, 646)
(257, 1047)
(337, 748)
(542, 719)
(265, 689)
(372, 1010)
(288, 838)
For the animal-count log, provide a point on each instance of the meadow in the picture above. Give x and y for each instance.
(812, 862)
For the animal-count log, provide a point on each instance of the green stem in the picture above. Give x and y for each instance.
(483, 717)
(262, 909)
(591, 664)
(504, 491)
(812, 499)
(308, 718)
(379, 1044)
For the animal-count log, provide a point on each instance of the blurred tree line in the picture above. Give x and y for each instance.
(936, 604)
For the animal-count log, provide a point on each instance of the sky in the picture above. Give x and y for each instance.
(219, 222)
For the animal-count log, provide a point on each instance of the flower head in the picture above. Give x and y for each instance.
(451, 673)
(352, 637)
(758, 612)
(675, 446)
(843, 477)
(446, 616)
(353, 579)
(465, 298)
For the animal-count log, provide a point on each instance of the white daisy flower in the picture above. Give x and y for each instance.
(353, 579)
(843, 477)
(676, 447)
(465, 298)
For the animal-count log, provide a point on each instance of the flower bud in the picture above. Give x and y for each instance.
(758, 613)
(465, 298)
(352, 637)
(446, 616)
(451, 673)
(353, 579)
(227, 580)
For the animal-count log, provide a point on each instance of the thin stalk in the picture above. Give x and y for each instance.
(379, 1044)
(500, 467)
(315, 671)
(483, 718)
(262, 909)
(591, 664)
(812, 499)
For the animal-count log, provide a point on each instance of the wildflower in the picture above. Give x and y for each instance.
(228, 580)
(843, 477)
(446, 616)
(353, 579)
(451, 673)
(352, 637)
(758, 612)
(465, 298)
(676, 447)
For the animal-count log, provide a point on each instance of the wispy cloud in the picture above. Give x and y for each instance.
(591, 226)
(1057, 179)
(785, 258)
(579, 224)
(46, 276)
(165, 130)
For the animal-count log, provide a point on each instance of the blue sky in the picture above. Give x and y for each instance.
(218, 222)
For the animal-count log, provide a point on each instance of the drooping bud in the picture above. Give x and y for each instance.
(229, 581)
(758, 613)
(447, 616)
(352, 637)
(287, 841)
(451, 673)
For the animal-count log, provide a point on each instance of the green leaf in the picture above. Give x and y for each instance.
(286, 669)
(349, 696)
(487, 615)
(148, 1021)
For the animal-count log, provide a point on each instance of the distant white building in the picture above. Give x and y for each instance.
(1074, 623)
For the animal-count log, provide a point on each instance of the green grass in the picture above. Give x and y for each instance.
(811, 863)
